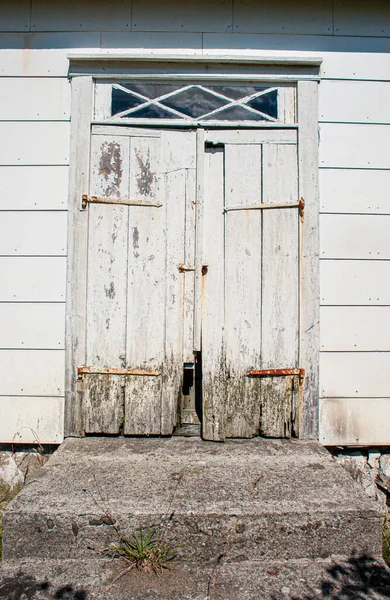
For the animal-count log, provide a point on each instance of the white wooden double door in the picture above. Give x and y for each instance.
(184, 255)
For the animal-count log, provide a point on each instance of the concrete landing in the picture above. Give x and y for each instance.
(241, 507)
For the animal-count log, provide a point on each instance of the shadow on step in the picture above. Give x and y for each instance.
(359, 578)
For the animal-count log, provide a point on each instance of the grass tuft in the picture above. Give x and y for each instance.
(144, 550)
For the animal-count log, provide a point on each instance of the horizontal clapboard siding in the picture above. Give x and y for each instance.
(34, 188)
(355, 328)
(33, 233)
(32, 326)
(352, 191)
(34, 99)
(31, 419)
(32, 372)
(32, 279)
(33, 143)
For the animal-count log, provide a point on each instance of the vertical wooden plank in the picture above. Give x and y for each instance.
(107, 253)
(82, 101)
(280, 286)
(199, 216)
(146, 289)
(178, 152)
(243, 186)
(189, 259)
(212, 293)
(309, 305)
(103, 403)
(106, 285)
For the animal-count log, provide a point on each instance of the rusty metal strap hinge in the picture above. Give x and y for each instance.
(276, 372)
(113, 200)
(93, 371)
(300, 204)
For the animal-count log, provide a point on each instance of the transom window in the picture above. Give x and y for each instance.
(192, 102)
(167, 101)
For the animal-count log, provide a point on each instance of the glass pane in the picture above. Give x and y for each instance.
(121, 101)
(152, 90)
(236, 92)
(235, 113)
(152, 112)
(194, 102)
(268, 104)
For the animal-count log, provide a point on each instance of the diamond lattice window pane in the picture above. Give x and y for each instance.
(267, 103)
(236, 92)
(152, 111)
(122, 101)
(194, 102)
(235, 113)
(152, 90)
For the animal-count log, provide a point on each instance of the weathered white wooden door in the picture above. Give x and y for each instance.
(152, 194)
(139, 293)
(250, 310)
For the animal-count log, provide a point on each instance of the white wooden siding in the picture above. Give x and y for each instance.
(355, 328)
(355, 282)
(32, 372)
(279, 16)
(32, 326)
(34, 188)
(362, 18)
(34, 99)
(355, 236)
(355, 374)
(33, 233)
(31, 419)
(34, 143)
(354, 191)
(172, 15)
(354, 101)
(15, 16)
(355, 422)
(354, 146)
(32, 279)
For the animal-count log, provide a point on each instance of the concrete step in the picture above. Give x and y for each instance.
(245, 500)
(303, 579)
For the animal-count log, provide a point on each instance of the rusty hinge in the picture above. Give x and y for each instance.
(276, 372)
(113, 200)
(94, 371)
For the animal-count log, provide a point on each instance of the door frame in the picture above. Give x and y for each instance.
(84, 70)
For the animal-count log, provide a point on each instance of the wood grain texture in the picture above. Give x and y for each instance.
(82, 102)
(243, 277)
(213, 347)
(103, 403)
(309, 267)
(280, 287)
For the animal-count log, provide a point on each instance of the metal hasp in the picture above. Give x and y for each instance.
(92, 371)
(276, 372)
(262, 206)
(114, 200)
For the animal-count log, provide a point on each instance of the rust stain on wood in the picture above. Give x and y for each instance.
(110, 167)
(107, 371)
(146, 178)
(275, 372)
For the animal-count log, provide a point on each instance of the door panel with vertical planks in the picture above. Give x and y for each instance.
(251, 288)
(141, 197)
